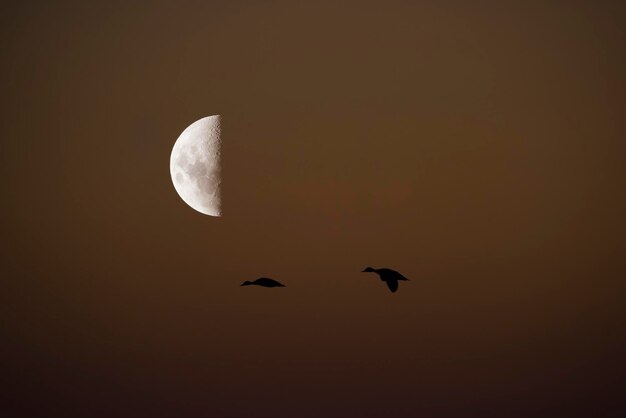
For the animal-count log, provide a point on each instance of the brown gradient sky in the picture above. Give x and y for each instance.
(477, 147)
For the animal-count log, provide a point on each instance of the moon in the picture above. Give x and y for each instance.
(195, 166)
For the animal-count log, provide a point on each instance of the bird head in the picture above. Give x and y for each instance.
(368, 270)
(246, 283)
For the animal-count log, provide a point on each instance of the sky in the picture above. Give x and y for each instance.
(476, 147)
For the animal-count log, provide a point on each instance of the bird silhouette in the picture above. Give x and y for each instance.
(391, 277)
(263, 281)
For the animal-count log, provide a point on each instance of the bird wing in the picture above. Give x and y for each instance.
(265, 281)
(391, 274)
(392, 284)
(275, 283)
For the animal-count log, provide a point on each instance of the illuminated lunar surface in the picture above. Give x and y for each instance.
(195, 166)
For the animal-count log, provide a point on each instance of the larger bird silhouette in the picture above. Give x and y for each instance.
(391, 277)
(263, 281)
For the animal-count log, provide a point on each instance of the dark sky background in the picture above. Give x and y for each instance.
(477, 147)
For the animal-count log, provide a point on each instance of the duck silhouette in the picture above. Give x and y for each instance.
(391, 277)
(263, 281)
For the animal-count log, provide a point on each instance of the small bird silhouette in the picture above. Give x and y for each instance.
(391, 277)
(265, 282)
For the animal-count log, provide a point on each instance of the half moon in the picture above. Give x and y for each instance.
(195, 166)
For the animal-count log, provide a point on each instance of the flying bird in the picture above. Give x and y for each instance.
(263, 281)
(391, 277)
